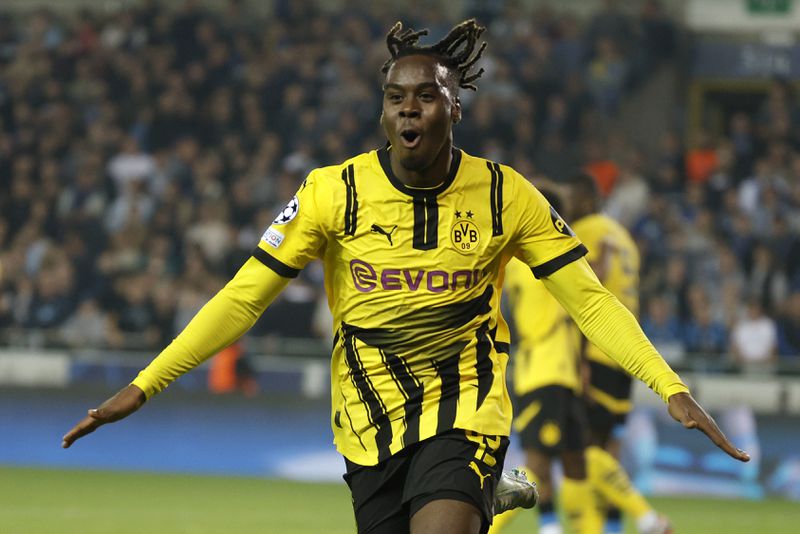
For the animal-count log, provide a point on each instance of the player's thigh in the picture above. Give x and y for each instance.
(377, 493)
(541, 423)
(460, 466)
(447, 515)
(576, 438)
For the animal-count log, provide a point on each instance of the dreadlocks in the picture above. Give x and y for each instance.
(453, 51)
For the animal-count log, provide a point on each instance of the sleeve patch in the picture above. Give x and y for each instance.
(273, 238)
(289, 212)
(559, 224)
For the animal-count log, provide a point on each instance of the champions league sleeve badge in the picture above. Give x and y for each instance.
(289, 212)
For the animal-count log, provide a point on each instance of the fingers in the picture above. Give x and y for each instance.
(692, 416)
(710, 429)
(87, 425)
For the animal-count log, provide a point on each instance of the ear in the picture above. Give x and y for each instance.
(455, 112)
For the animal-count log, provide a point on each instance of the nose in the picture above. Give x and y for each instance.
(410, 112)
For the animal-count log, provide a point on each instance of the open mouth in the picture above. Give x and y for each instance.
(410, 138)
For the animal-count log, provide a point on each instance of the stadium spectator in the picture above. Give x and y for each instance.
(701, 158)
(662, 326)
(704, 336)
(754, 338)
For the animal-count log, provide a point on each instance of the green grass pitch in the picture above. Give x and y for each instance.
(60, 501)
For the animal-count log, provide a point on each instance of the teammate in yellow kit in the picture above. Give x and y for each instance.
(551, 415)
(614, 256)
(414, 238)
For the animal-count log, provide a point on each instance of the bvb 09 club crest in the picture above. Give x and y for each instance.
(465, 236)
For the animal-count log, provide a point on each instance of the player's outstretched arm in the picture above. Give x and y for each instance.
(125, 402)
(610, 326)
(228, 315)
(684, 409)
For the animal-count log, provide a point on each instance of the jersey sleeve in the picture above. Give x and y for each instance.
(545, 242)
(299, 232)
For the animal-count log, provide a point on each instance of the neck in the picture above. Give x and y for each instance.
(430, 176)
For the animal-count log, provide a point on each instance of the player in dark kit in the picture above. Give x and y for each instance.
(420, 409)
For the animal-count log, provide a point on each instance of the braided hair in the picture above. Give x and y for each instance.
(456, 51)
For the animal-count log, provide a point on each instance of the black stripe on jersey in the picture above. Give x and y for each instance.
(351, 209)
(275, 264)
(426, 223)
(549, 267)
(376, 411)
(496, 198)
(423, 324)
(499, 346)
(350, 420)
(411, 389)
(483, 363)
(448, 399)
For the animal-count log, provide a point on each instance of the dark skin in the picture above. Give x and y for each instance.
(419, 98)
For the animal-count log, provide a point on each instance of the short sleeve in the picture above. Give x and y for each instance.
(545, 241)
(298, 233)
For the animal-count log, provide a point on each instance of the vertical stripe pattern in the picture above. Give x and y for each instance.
(412, 391)
(351, 208)
(483, 363)
(376, 411)
(448, 401)
(496, 198)
(426, 223)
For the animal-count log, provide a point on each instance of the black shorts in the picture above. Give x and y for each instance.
(458, 464)
(553, 420)
(610, 407)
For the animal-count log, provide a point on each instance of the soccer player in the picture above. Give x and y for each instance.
(550, 417)
(614, 257)
(551, 414)
(414, 237)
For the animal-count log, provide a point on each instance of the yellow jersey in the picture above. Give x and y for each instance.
(615, 258)
(547, 344)
(413, 280)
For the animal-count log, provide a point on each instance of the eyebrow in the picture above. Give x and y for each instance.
(423, 85)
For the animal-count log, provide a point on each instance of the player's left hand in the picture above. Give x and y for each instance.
(684, 409)
(125, 402)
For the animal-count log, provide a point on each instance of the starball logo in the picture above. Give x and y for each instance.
(366, 278)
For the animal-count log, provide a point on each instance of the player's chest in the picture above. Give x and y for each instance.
(454, 231)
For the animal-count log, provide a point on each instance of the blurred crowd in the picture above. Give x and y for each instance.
(144, 151)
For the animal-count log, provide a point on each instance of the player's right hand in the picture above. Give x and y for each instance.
(121, 405)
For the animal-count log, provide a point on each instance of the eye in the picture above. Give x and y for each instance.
(394, 97)
(427, 97)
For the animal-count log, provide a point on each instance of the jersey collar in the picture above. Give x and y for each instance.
(455, 164)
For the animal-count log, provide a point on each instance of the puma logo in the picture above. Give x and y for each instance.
(481, 476)
(378, 230)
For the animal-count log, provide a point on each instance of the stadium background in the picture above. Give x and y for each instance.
(146, 145)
